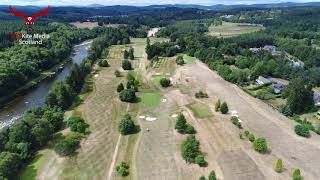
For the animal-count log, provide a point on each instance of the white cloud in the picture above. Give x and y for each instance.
(140, 2)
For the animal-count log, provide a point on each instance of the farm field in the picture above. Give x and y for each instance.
(228, 29)
(83, 25)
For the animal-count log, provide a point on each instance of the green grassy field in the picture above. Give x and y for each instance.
(189, 59)
(150, 99)
(232, 29)
(200, 110)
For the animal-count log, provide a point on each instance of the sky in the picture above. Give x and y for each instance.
(140, 2)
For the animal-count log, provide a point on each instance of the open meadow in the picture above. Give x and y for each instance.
(228, 29)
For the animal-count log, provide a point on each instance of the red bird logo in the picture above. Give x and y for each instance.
(29, 19)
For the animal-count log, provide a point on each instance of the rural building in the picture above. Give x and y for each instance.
(261, 80)
(316, 99)
(277, 88)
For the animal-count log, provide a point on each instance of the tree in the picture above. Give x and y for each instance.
(224, 108)
(180, 60)
(200, 160)
(181, 123)
(125, 54)
(77, 124)
(212, 176)
(117, 73)
(190, 129)
(300, 96)
(190, 149)
(128, 95)
(251, 137)
(67, 145)
(120, 87)
(202, 178)
(260, 145)
(126, 65)
(217, 105)
(126, 125)
(164, 82)
(302, 130)
(123, 169)
(9, 165)
(278, 167)
(131, 53)
(103, 63)
(296, 175)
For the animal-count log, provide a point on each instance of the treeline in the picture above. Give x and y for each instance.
(19, 143)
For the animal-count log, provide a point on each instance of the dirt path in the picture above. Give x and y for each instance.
(263, 121)
(114, 158)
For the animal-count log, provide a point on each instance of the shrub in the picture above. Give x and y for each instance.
(236, 122)
(241, 136)
(77, 124)
(217, 106)
(126, 65)
(120, 87)
(260, 145)
(200, 160)
(181, 123)
(117, 73)
(125, 54)
(278, 167)
(302, 130)
(201, 94)
(128, 95)
(67, 145)
(126, 125)
(246, 133)
(180, 60)
(296, 175)
(190, 129)
(164, 82)
(212, 176)
(251, 137)
(224, 108)
(202, 178)
(123, 169)
(103, 63)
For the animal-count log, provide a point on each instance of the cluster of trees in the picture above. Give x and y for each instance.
(164, 49)
(190, 150)
(182, 126)
(223, 108)
(126, 125)
(212, 176)
(19, 142)
(129, 54)
(128, 94)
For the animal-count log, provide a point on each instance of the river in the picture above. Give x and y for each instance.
(36, 97)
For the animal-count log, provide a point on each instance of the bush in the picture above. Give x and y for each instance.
(164, 82)
(241, 136)
(126, 125)
(236, 122)
(190, 129)
(77, 124)
(296, 175)
(251, 137)
(180, 60)
(278, 167)
(126, 65)
(246, 133)
(302, 130)
(202, 178)
(120, 87)
(201, 94)
(224, 108)
(123, 169)
(217, 106)
(67, 145)
(181, 123)
(103, 63)
(212, 176)
(200, 160)
(117, 73)
(128, 95)
(260, 145)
